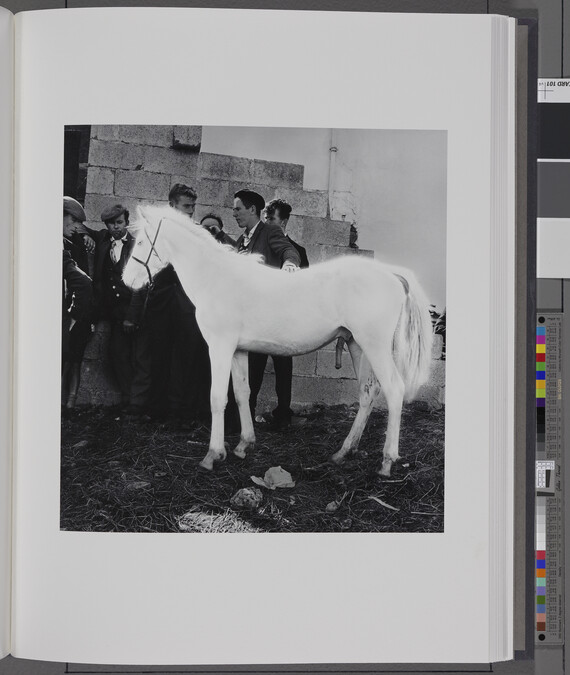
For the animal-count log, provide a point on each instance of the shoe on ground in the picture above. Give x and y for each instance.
(277, 423)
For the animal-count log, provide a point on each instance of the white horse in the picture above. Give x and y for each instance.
(242, 305)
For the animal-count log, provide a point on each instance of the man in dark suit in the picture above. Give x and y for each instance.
(277, 212)
(268, 240)
(128, 343)
(180, 385)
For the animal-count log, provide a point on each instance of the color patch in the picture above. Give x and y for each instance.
(553, 141)
(540, 388)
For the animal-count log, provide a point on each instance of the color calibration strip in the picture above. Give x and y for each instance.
(540, 383)
(553, 211)
(540, 565)
(549, 550)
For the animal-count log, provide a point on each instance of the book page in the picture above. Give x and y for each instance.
(258, 597)
(6, 324)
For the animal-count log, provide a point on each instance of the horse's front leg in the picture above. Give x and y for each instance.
(220, 359)
(241, 390)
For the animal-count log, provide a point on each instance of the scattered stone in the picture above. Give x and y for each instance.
(333, 506)
(248, 498)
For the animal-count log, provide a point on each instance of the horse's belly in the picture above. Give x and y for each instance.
(287, 344)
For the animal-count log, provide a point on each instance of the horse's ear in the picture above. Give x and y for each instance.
(139, 220)
(141, 215)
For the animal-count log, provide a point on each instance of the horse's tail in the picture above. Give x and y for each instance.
(413, 337)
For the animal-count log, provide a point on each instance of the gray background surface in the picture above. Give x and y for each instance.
(553, 61)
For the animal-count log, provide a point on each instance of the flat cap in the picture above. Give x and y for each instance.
(74, 208)
(112, 212)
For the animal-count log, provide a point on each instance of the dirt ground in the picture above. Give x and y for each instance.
(121, 474)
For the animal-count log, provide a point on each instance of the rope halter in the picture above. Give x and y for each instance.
(151, 251)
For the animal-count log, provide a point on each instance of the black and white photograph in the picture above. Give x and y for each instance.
(253, 329)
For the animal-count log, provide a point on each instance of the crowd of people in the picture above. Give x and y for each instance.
(157, 354)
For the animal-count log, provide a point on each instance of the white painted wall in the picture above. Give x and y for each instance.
(392, 183)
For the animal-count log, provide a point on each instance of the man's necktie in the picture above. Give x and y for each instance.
(116, 248)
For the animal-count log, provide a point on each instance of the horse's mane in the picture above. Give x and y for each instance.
(189, 231)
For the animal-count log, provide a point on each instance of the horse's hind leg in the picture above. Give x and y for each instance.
(220, 359)
(241, 391)
(369, 389)
(392, 384)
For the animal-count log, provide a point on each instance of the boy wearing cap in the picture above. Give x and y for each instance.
(269, 240)
(73, 230)
(78, 332)
(128, 343)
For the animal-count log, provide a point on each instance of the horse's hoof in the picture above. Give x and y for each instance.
(207, 464)
(337, 458)
(241, 449)
(209, 460)
(386, 468)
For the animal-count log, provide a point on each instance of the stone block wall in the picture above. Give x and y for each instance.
(137, 165)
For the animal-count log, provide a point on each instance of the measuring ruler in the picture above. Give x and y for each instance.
(549, 543)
